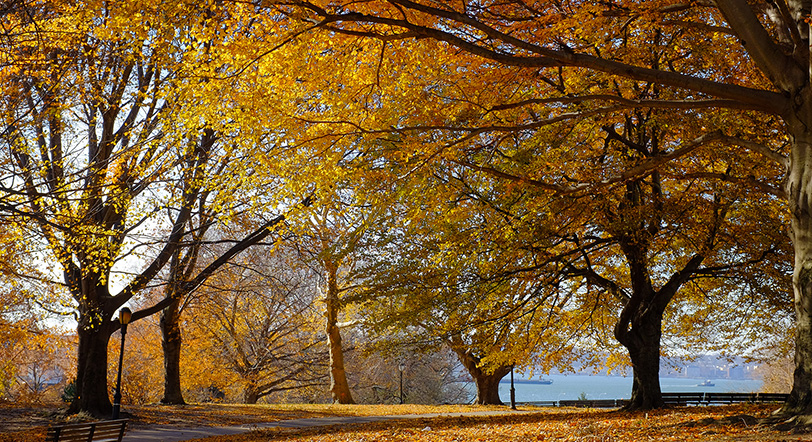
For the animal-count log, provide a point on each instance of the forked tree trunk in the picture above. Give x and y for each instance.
(91, 373)
(339, 388)
(171, 342)
(251, 394)
(487, 387)
(639, 326)
(487, 384)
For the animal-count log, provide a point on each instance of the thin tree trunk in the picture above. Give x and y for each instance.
(339, 388)
(171, 342)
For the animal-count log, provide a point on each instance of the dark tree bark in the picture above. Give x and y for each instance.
(487, 387)
(171, 343)
(183, 282)
(487, 383)
(643, 345)
(251, 394)
(92, 395)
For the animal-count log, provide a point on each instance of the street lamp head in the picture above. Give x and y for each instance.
(401, 366)
(124, 316)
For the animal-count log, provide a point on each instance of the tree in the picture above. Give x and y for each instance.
(430, 275)
(104, 90)
(423, 296)
(549, 48)
(185, 277)
(127, 94)
(260, 315)
(329, 244)
(503, 232)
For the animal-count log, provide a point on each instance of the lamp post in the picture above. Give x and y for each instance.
(401, 367)
(124, 316)
(512, 390)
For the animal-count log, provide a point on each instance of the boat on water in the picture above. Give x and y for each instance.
(707, 383)
(541, 381)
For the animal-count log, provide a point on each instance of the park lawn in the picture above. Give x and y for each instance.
(726, 423)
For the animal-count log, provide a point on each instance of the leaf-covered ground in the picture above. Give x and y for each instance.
(728, 423)
(732, 423)
(27, 423)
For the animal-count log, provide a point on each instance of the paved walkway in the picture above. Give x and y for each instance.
(174, 434)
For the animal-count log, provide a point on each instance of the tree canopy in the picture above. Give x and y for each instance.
(608, 165)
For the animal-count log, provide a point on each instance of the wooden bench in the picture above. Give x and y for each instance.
(729, 398)
(771, 397)
(683, 398)
(721, 398)
(102, 431)
(592, 403)
(539, 403)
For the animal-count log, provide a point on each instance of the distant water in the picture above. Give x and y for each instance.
(566, 387)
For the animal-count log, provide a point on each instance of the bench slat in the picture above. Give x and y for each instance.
(88, 432)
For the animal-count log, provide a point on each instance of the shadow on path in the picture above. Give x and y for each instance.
(174, 434)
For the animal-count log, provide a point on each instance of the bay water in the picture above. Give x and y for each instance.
(567, 387)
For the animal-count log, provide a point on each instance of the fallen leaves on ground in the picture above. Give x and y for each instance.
(715, 424)
(28, 423)
(729, 423)
(232, 414)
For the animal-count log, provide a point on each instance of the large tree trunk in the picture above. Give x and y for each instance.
(251, 394)
(91, 375)
(639, 325)
(800, 204)
(487, 384)
(643, 344)
(487, 387)
(339, 388)
(171, 343)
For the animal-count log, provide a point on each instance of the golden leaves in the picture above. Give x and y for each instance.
(681, 424)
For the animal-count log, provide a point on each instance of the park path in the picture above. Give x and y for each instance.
(175, 434)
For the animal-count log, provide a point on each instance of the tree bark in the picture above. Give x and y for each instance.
(91, 372)
(172, 343)
(487, 384)
(643, 344)
(251, 394)
(800, 203)
(487, 387)
(339, 388)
